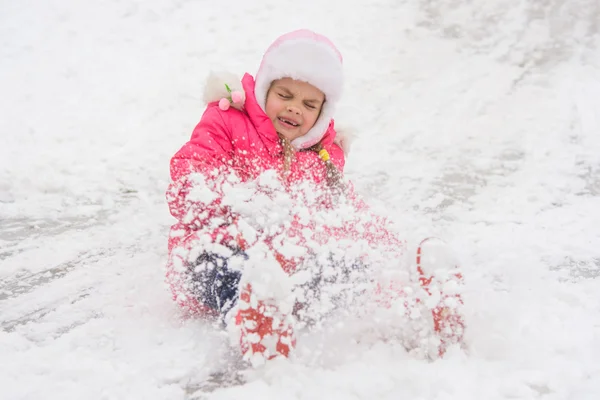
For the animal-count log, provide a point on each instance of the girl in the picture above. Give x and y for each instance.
(266, 226)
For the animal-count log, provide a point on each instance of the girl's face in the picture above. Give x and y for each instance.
(293, 107)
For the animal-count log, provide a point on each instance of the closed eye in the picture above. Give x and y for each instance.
(308, 105)
(283, 96)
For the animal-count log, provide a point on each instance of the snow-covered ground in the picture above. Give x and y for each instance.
(476, 121)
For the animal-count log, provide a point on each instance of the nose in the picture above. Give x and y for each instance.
(294, 109)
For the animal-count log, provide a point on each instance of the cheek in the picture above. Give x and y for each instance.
(272, 107)
(312, 119)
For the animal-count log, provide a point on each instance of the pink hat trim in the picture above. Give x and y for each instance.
(302, 34)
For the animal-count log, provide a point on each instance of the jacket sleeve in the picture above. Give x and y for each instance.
(337, 156)
(198, 171)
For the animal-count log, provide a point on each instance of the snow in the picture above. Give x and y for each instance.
(477, 123)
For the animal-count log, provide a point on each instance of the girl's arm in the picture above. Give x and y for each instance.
(198, 171)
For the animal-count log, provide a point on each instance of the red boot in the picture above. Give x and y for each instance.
(440, 277)
(264, 333)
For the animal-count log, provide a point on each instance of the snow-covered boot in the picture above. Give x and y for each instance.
(441, 279)
(264, 332)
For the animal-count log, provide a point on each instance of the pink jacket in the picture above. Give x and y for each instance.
(223, 141)
(244, 142)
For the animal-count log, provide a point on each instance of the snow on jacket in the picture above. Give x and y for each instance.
(229, 148)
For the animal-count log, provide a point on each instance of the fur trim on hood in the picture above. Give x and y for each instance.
(215, 88)
(344, 137)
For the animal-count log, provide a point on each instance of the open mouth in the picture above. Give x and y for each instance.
(288, 122)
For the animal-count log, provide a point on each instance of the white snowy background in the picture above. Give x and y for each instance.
(477, 121)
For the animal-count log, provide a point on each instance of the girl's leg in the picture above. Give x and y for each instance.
(442, 281)
(327, 286)
(214, 283)
(421, 308)
(425, 315)
(265, 332)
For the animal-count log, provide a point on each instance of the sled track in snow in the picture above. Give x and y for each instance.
(34, 292)
(24, 282)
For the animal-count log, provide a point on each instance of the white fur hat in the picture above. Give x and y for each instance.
(306, 56)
